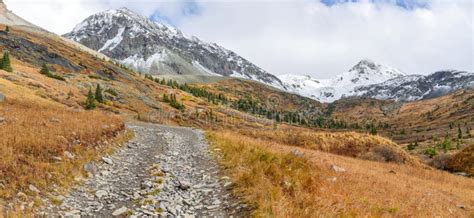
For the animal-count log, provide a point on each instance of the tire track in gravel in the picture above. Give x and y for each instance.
(164, 170)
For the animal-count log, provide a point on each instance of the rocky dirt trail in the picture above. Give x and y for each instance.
(163, 171)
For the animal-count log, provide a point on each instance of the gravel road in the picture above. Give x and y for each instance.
(164, 171)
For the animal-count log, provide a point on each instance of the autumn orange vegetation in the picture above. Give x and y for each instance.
(284, 180)
(275, 184)
(35, 136)
(352, 144)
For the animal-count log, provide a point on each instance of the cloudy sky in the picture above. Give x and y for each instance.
(316, 37)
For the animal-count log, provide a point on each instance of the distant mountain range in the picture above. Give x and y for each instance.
(418, 87)
(160, 49)
(369, 79)
(364, 73)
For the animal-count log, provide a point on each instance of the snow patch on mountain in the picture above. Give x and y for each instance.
(138, 42)
(198, 65)
(366, 72)
(418, 87)
(112, 43)
(140, 64)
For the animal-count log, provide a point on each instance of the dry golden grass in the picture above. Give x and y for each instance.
(281, 185)
(367, 188)
(349, 144)
(35, 132)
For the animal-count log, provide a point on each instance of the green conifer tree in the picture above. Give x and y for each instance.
(98, 94)
(90, 101)
(44, 69)
(459, 132)
(166, 98)
(411, 147)
(6, 62)
(373, 130)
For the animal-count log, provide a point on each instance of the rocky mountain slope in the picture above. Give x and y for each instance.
(366, 72)
(160, 49)
(368, 79)
(156, 48)
(417, 87)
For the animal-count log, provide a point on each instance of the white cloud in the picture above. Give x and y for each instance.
(301, 36)
(307, 37)
(58, 16)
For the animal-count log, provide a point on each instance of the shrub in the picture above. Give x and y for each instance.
(45, 71)
(411, 147)
(112, 92)
(446, 144)
(56, 77)
(431, 152)
(384, 153)
(441, 161)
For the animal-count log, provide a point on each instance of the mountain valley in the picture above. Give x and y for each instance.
(125, 116)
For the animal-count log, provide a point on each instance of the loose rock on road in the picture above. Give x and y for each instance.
(162, 171)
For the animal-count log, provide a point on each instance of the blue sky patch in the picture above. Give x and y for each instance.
(188, 8)
(406, 4)
(158, 17)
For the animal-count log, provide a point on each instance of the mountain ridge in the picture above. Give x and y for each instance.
(155, 48)
(418, 87)
(365, 72)
(161, 49)
(369, 79)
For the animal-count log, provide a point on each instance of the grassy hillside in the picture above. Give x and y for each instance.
(430, 130)
(44, 144)
(279, 179)
(269, 97)
(413, 121)
(351, 144)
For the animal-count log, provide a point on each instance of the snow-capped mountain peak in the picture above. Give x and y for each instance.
(157, 48)
(417, 87)
(365, 72)
(369, 79)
